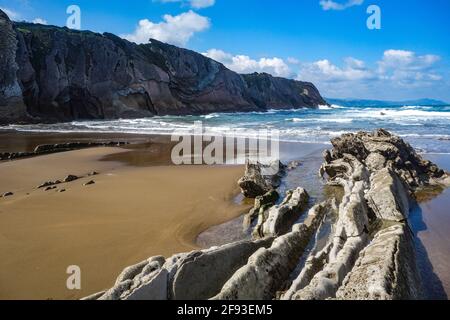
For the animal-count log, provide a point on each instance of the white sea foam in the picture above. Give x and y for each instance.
(318, 120)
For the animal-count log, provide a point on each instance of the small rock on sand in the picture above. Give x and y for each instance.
(50, 188)
(70, 178)
(89, 183)
(293, 165)
(62, 190)
(7, 194)
(46, 184)
(93, 173)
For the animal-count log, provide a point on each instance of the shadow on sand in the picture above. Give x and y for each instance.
(431, 284)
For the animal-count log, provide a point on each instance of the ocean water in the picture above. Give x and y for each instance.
(427, 128)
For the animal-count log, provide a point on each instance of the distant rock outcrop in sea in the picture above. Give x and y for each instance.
(53, 74)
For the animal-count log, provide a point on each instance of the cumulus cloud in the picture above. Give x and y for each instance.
(396, 69)
(196, 4)
(292, 60)
(40, 21)
(335, 5)
(324, 70)
(176, 30)
(13, 15)
(245, 64)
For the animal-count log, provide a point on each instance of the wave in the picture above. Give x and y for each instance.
(318, 120)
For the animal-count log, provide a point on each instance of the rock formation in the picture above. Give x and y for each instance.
(188, 276)
(55, 148)
(369, 253)
(260, 179)
(278, 219)
(61, 74)
(12, 106)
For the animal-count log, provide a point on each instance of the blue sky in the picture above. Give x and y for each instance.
(323, 41)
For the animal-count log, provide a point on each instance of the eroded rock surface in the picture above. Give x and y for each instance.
(260, 179)
(280, 218)
(12, 106)
(187, 276)
(386, 269)
(268, 269)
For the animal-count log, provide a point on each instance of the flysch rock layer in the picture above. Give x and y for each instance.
(369, 253)
(280, 218)
(188, 276)
(268, 269)
(386, 269)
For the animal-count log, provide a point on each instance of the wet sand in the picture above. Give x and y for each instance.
(129, 214)
(431, 224)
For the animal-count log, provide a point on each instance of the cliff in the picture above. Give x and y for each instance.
(55, 74)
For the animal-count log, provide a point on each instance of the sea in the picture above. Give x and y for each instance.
(427, 128)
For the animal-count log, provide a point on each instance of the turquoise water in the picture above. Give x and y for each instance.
(425, 127)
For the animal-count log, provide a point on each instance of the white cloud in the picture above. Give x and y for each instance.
(334, 5)
(199, 4)
(396, 71)
(325, 71)
(13, 15)
(176, 30)
(406, 60)
(244, 64)
(40, 21)
(196, 4)
(292, 60)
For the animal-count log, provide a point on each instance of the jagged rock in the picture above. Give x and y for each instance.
(314, 262)
(194, 275)
(203, 277)
(379, 173)
(108, 77)
(12, 106)
(293, 165)
(351, 232)
(70, 178)
(268, 269)
(50, 188)
(260, 179)
(69, 146)
(381, 149)
(45, 184)
(261, 204)
(385, 270)
(388, 197)
(280, 218)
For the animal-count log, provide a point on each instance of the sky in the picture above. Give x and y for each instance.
(326, 42)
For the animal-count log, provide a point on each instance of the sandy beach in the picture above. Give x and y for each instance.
(129, 214)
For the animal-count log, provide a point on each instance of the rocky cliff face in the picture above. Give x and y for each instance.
(62, 74)
(12, 107)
